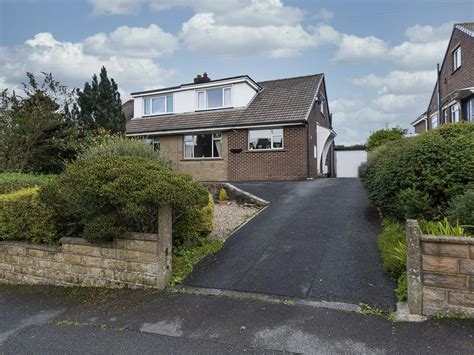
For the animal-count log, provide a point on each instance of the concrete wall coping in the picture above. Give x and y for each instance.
(82, 241)
(447, 239)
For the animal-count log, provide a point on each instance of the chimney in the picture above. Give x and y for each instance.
(201, 79)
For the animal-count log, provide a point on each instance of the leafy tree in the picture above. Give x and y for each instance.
(100, 106)
(36, 130)
(383, 136)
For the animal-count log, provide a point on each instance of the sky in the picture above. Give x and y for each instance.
(378, 56)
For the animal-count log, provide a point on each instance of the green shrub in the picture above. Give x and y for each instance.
(24, 217)
(10, 182)
(101, 197)
(118, 146)
(392, 247)
(222, 195)
(402, 287)
(442, 228)
(384, 136)
(437, 166)
(461, 210)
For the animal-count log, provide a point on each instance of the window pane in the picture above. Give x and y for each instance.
(227, 97)
(203, 147)
(201, 99)
(260, 139)
(278, 131)
(214, 98)
(169, 103)
(277, 142)
(158, 105)
(188, 146)
(147, 105)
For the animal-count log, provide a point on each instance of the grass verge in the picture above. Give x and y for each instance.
(184, 259)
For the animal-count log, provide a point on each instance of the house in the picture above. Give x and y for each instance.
(453, 96)
(235, 129)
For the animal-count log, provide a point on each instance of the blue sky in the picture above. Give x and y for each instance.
(378, 56)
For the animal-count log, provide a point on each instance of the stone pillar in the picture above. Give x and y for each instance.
(414, 284)
(165, 221)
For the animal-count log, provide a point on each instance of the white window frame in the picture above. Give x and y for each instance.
(215, 137)
(457, 53)
(455, 112)
(206, 103)
(321, 105)
(470, 109)
(434, 119)
(271, 139)
(151, 105)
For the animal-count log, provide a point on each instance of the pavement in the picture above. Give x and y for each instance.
(73, 320)
(316, 241)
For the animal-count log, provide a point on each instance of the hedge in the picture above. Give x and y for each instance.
(417, 177)
(24, 217)
(461, 210)
(391, 243)
(104, 196)
(10, 182)
(118, 146)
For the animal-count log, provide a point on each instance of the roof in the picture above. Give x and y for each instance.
(246, 77)
(279, 101)
(466, 27)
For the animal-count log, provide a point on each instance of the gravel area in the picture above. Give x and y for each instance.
(228, 218)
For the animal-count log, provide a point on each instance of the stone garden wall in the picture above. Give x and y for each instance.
(440, 273)
(135, 261)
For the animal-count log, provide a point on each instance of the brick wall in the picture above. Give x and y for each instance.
(287, 164)
(136, 261)
(446, 274)
(200, 169)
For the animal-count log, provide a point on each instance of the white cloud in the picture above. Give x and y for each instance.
(115, 7)
(399, 82)
(324, 15)
(72, 66)
(137, 42)
(422, 34)
(354, 49)
(251, 13)
(202, 34)
(418, 55)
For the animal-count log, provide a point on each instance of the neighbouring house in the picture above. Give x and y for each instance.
(127, 109)
(453, 96)
(235, 129)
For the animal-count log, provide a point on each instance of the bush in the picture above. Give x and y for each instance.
(442, 228)
(435, 166)
(384, 136)
(24, 217)
(461, 210)
(392, 247)
(118, 146)
(10, 182)
(222, 195)
(101, 197)
(402, 288)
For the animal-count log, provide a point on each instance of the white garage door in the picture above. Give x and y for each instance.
(348, 162)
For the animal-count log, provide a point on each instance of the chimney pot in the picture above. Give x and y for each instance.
(201, 78)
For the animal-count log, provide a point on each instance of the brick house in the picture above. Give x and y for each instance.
(235, 129)
(453, 95)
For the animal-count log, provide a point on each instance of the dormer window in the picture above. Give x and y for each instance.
(158, 105)
(214, 98)
(456, 58)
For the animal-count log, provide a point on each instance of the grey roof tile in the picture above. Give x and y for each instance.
(279, 101)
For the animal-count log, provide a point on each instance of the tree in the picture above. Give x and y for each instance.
(36, 130)
(383, 136)
(100, 106)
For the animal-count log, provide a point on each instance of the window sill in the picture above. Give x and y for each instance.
(455, 70)
(265, 150)
(213, 108)
(202, 159)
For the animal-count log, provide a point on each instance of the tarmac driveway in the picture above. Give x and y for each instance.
(316, 240)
